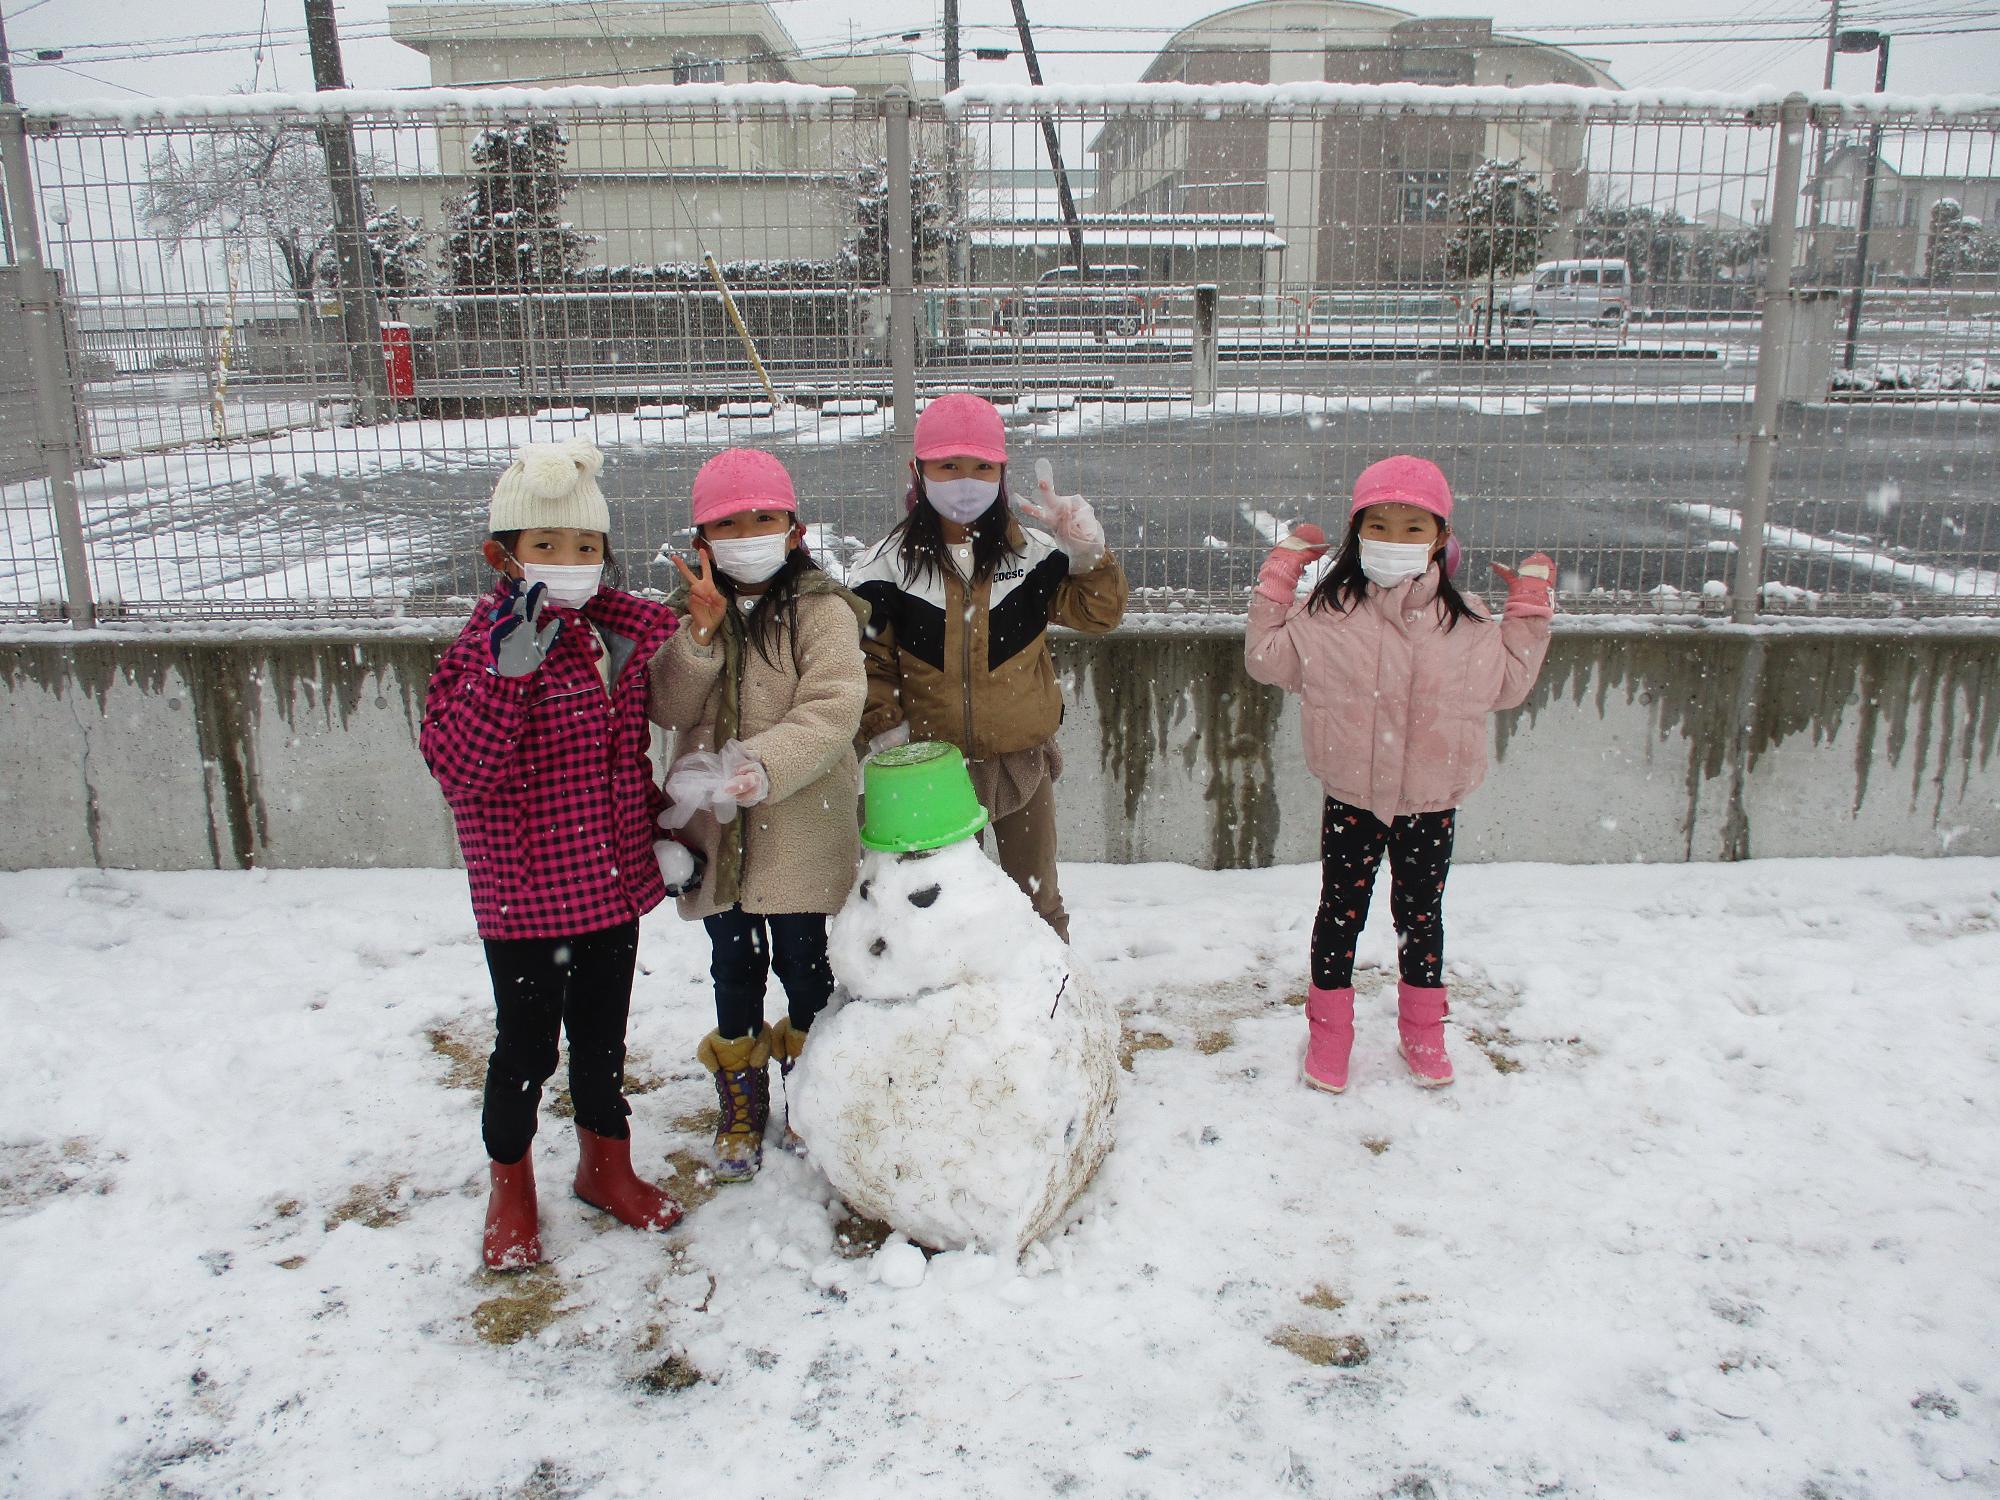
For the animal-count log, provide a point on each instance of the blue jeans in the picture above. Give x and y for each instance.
(747, 946)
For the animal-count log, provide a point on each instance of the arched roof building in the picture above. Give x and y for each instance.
(1358, 198)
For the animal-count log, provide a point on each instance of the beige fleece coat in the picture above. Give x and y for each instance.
(798, 717)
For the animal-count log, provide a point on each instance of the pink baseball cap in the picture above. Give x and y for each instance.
(739, 479)
(1403, 480)
(962, 425)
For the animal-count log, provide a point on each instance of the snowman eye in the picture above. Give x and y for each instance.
(879, 947)
(864, 889)
(925, 896)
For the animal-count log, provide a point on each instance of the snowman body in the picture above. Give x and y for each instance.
(960, 1087)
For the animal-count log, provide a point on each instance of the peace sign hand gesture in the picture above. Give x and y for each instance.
(705, 604)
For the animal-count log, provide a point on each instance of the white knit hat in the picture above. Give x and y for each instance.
(551, 484)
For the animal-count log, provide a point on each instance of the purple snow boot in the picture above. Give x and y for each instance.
(1420, 1014)
(1329, 1039)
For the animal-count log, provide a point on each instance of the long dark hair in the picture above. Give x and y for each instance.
(920, 540)
(1344, 585)
(613, 574)
(776, 609)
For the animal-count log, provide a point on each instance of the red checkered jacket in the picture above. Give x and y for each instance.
(548, 776)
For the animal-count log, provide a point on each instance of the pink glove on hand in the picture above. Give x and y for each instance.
(1531, 591)
(1278, 579)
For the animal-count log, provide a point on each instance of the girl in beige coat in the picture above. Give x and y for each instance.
(767, 675)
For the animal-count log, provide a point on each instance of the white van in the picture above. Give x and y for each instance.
(1572, 291)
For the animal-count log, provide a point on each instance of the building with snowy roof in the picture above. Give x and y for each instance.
(766, 186)
(1359, 200)
(1918, 170)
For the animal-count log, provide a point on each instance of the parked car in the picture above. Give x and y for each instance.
(1105, 299)
(1572, 291)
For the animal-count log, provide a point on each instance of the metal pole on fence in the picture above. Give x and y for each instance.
(902, 273)
(1205, 354)
(48, 368)
(360, 324)
(1771, 356)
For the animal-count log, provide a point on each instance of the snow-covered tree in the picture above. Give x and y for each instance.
(1958, 242)
(866, 187)
(1500, 219)
(398, 256)
(506, 231)
(264, 184)
(1661, 245)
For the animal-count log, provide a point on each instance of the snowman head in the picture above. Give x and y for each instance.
(924, 920)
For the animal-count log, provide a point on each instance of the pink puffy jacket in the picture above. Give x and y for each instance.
(1394, 705)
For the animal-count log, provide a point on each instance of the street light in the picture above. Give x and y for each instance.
(1878, 43)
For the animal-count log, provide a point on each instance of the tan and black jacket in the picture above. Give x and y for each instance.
(976, 672)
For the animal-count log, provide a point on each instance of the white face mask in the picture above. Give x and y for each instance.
(961, 500)
(1390, 563)
(570, 587)
(751, 559)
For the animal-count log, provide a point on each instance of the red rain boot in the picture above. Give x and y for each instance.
(1330, 1017)
(1420, 1014)
(513, 1239)
(604, 1179)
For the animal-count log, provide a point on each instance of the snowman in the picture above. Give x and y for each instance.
(960, 1085)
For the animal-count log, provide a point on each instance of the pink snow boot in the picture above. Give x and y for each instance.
(1330, 1017)
(605, 1179)
(1420, 1017)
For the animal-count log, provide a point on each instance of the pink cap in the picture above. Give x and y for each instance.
(1403, 480)
(739, 479)
(962, 425)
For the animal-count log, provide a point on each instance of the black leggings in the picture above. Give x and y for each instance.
(1351, 840)
(747, 946)
(541, 988)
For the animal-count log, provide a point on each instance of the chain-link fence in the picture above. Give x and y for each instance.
(1631, 329)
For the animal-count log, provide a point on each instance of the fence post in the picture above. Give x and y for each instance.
(902, 277)
(1205, 356)
(1771, 357)
(49, 367)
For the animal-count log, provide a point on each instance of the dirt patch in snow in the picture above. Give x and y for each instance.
(693, 1182)
(1211, 1042)
(1325, 1298)
(532, 1301)
(377, 1205)
(1340, 1350)
(1132, 1043)
(33, 1172)
(858, 1237)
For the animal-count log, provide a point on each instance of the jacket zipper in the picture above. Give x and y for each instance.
(965, 675)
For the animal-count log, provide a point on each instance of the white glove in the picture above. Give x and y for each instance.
(744, 782)
(1069, 519)
(717, 783)
(889, 739)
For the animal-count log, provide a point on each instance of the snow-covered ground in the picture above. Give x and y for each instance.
(1711, 1211)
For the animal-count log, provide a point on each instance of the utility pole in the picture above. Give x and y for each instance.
(1054, 144)
(1877, 42)
(1817, 220)
(954, 189)
(360, 325)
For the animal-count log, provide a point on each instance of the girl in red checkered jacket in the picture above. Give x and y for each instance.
(535, 726)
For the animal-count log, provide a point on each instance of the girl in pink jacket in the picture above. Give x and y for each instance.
(1396, 672)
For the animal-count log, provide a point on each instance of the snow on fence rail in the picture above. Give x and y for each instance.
(289, 392)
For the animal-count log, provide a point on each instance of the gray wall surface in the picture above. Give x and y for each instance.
(1642, 741)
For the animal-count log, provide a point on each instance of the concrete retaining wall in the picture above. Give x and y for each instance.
(1643, 741)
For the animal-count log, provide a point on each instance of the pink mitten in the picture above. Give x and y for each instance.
(1531, 591)
(1278, 579)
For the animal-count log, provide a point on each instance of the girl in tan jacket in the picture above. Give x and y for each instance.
(962, 596)
(767, 672)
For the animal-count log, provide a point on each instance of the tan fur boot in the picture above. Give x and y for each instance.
(743, 1096)
(787, 1044)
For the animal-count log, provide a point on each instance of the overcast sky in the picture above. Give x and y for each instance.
(224, 57)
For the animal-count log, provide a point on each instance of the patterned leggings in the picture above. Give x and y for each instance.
(1351, 841)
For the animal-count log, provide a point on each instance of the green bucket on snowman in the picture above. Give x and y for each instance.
(918, 796)
(960, 1085)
